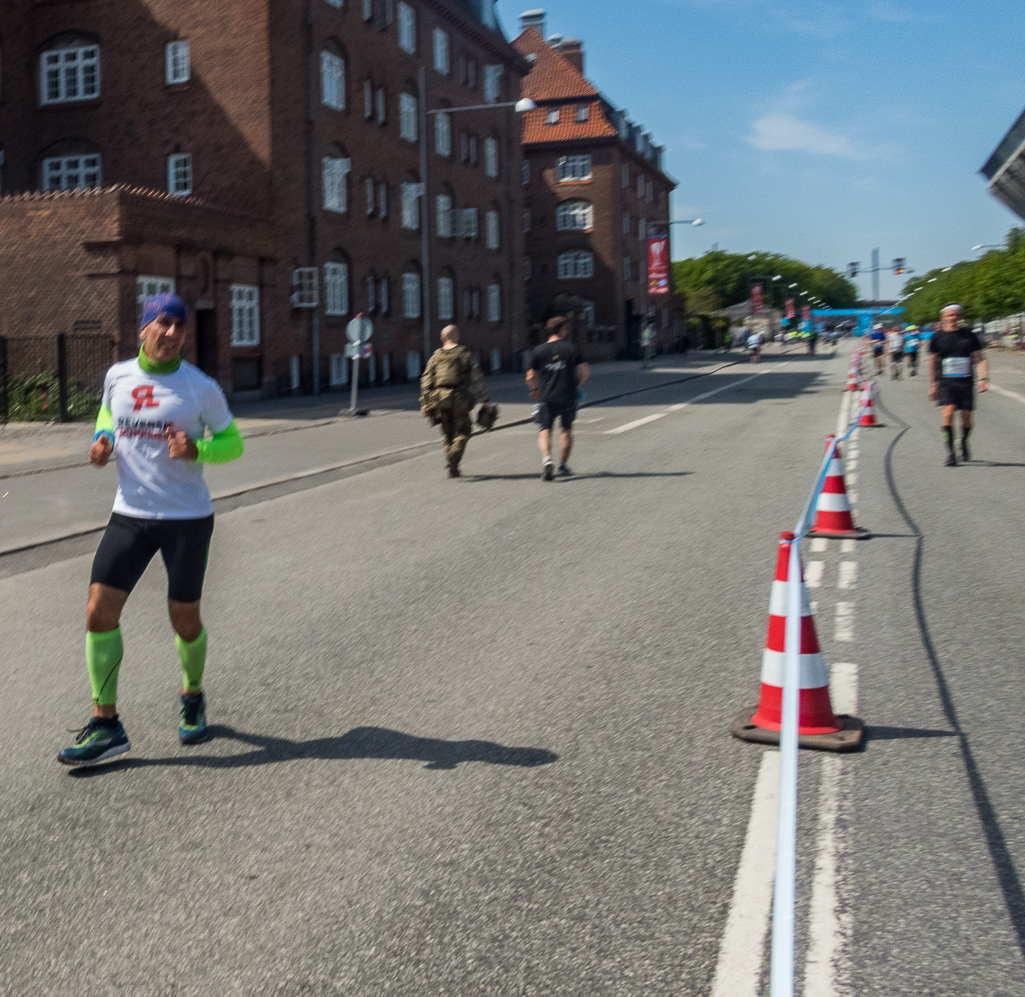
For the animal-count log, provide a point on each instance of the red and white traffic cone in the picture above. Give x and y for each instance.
(817, 726)
(852, 377)
(868, 412)
(833, 510)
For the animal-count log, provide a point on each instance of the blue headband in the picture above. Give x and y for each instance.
(163, 304)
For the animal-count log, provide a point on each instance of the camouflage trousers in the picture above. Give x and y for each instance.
(457, 429)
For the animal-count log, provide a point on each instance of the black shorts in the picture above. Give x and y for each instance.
(128, 545)
(956, 391)
(896, 357)
(877, 350)
(566, 411)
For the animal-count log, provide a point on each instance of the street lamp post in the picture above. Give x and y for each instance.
(521, 106)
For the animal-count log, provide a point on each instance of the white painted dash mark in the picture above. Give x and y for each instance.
(847, 546)
(813, 573)
(738, 973)
(819, 545)
(844, 621)
(848, 575)
(637, 422)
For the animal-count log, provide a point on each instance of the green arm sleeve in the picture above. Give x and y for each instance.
(226, 445)
(105, 420)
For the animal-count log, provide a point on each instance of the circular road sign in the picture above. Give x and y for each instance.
(359, 330)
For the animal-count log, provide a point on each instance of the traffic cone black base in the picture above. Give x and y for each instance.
(858, 533)
(849, 738)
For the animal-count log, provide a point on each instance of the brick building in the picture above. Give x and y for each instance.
(594, 189)
(264, 159)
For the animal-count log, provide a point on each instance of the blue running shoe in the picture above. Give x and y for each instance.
(94, 744)
(192, 719)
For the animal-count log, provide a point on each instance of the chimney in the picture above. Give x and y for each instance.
(573, 49)
(533, 19)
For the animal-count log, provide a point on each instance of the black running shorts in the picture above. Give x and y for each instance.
(566, 411)
(128, 545)
(956, 391)
(877, 350)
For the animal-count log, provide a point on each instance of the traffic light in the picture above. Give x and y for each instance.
(898, 265)
(852, 269)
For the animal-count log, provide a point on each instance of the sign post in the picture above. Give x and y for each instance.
(358, 332)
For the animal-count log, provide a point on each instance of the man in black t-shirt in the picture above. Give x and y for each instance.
(554, 376)
(954, 353)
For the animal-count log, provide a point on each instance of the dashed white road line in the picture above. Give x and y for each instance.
(848, 577)
(738, 972)
(682, 405)
(844, 622)
(847, 546)
(819, 545)
(813, 573)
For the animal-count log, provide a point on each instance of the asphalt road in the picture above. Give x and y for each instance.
(471, 736)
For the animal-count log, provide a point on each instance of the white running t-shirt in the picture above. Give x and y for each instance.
(151, 484)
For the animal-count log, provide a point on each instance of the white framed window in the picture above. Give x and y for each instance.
(571, 168)
(525, 172)
(305, 287)
(245, 315)
(382, 199)
(583, 113)
(294, 372)
(627, 268)
(626, 175)
(411, 295)
(552, 116)
(411, 205)
(408, 125)
(332, 80)
(72, 172)
(472, 150)
(491, 230)
(491, 157)
(179, 173)
(383, 294)
(443, 203)
(492, 83)
(575, 264)
(371, 294)
(468, 224)
(588, 310)
(336, 189)
(441, 49)
(642, 229)
(494, 303)
(368, 99)
(389, 11)
(626, 223)
(335, 3)
(526, 219)
(369, 195)
(527, 267)
(446, 299)
(640, 185)
(177, 62)
(443, 134)
(574, 216)
(496, 361)
(407, 28)
(412, 365)
(70, 74)
(338, 370)
(145, 288)
(368, 10)
(381, 105)
(336, 288)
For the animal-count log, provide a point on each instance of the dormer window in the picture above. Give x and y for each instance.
(552, 116)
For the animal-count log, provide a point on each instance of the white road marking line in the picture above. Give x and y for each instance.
(847, 546)
(682, 405)
(814, 605)
(850, 479)
(843, 418)
(1008, 394)
(843, 687)
(813, 573)
(738, 972)
(850, 464)
(848, 575)
(853, 496)
(844, 622)
(819, 545)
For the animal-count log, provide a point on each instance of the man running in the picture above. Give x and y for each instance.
(754, 346)
(155, 412)
(895, 352)
(554, 377)
(912, 337)
(878, 340)
(955, 351)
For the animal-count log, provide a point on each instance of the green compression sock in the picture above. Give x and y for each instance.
(193, 660)
(103, 654)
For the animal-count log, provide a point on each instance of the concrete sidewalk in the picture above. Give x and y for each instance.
(31, 448)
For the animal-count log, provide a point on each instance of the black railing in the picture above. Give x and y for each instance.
(53, 378)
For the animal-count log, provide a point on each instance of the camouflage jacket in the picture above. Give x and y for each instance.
(453, 372)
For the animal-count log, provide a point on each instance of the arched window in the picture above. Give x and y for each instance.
(574, 216)
(492, 231)
(411, 293)
(411, 189)
(332, 76)
(491, 157)
(495, 301)
(409, 126)
(336, 167)
(443, 134)
(71, 166)
(336, 284)
(443, 224)
(446, 296)
(575, 264)
(69, 70)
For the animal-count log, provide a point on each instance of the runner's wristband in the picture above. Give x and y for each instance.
(107, 433)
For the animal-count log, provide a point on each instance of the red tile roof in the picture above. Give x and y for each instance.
(552, 75)
(568, 128)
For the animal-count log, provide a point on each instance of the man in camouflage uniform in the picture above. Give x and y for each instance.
(450, 387)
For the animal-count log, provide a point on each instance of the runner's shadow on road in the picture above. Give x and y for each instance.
(579, 477)
(988, 463)
(358, 743)
(903, 733)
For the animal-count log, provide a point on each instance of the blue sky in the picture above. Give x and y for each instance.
(815, 128)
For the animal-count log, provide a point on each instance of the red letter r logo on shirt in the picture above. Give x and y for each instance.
(144, 396)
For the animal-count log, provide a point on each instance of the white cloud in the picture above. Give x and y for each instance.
(787, 132)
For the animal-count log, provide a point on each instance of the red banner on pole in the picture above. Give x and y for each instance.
(791, 306)
(658, 264)
(757, 298)
(806, 313)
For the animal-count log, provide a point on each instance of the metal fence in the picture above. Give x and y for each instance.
(53, 378)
